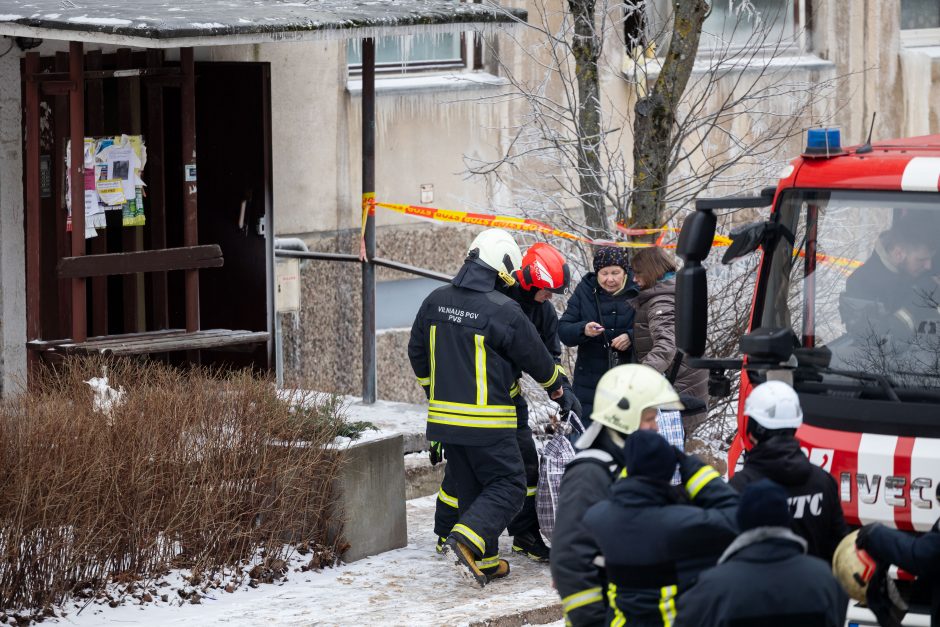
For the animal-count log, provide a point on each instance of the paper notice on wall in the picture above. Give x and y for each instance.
(111, 192)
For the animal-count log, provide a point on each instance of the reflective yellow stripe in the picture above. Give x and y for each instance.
(667, 605)
(700, 479)
(473, 409)
(446, 499)
(619, 619)
(531, 490)
(562, 370)
(471, 535)
(480, 365)
(433, 363)
(579, 599)
(488, 562)
(424, 381)
(623, 473)
(554, 377)
(514, 390)
(480, 422)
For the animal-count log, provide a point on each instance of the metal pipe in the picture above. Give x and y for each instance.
(77, 173)
(292, 243)
(297, 254)
(368, 196)
(404, 267)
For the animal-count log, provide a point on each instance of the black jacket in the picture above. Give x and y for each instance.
(815, 509)
(655, 543)
(467, 343)
(616, 315)
(918, 555)
(579, 581)
(765, 580)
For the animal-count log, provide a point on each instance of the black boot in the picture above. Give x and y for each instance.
(531, 545)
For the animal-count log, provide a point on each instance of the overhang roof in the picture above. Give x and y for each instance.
(179, 23)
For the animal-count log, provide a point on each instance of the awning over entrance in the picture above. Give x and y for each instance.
(181, 23)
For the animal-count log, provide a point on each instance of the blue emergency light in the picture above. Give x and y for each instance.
(823, 142)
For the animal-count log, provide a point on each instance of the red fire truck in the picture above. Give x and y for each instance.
(845, 308)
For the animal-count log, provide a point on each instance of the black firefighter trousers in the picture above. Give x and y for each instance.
(490, 487)
(446, 507)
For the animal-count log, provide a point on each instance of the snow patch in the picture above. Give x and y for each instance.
(6, 17)
(99, 21)
(52, 16)
(208, 25)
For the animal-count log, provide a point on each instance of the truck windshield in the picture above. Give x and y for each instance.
(863, 279)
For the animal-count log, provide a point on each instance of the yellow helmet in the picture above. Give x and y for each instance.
(853, 567)
(621, 396)
(497, 249)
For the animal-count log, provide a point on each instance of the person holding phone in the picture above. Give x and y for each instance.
(599, 321)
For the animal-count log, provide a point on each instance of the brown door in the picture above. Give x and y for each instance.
(233, 147)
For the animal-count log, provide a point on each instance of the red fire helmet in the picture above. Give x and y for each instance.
(544, 268)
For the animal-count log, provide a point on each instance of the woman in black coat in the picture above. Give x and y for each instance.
(599, 321)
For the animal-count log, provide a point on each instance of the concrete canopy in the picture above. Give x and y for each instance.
(180, 23)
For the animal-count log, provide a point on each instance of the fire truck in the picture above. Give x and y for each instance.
(845, 309)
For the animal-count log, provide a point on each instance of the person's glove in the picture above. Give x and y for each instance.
(680, 454)
(569, 403)
(864, 534)
(435, 452)
(884, 600)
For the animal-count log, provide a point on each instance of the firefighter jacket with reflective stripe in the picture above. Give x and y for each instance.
(467, 342)
(655, 540)
(580, 582)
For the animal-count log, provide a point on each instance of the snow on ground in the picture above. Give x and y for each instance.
(409, 586)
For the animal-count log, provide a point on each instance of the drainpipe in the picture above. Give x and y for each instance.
(284, 243)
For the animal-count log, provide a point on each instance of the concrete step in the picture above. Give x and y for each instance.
(421, 478)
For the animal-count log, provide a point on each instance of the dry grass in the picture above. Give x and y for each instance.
(195, 469)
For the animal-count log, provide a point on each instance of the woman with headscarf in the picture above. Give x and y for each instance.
(599, 321)
(655, 329)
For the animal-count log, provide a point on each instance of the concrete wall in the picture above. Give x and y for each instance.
(12, 236)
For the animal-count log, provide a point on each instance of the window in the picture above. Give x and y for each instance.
(736, 24)
(399, 54)
(861, 281)
(920, 14)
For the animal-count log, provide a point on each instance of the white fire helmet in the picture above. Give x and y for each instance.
(622, 394)
(853, 567)
(774, 405)
(498, 250)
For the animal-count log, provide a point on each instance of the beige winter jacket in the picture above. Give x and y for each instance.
(654, 338)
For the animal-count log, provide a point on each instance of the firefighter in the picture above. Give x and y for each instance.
(626, 400)
(774, 414)
(655, 539)
(918, 555)
(764, 578)
(467, 342)
(544, 272)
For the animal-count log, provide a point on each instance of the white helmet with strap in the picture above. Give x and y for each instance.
(497, 250)
(621, 396)
(774, 405)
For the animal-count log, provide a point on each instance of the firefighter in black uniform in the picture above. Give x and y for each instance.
(626, 400)
(655, 540)
(544, 272)
(467, 342)
(774, 414)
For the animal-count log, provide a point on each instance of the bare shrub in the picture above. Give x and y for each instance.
(198, 469)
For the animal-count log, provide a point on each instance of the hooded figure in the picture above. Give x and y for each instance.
(764, 578)
(654, 538)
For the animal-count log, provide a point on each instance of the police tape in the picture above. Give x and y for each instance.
(528, 225)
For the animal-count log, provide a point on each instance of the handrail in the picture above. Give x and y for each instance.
(379, 261)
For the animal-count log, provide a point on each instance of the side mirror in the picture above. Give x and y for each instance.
(769, 345)
(696, 236)
(691, 309)
(746, 239)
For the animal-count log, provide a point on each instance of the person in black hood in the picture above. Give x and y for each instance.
(599, 321)
(627, 401)
(764, 578)
(654, 538)
(774, 414)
